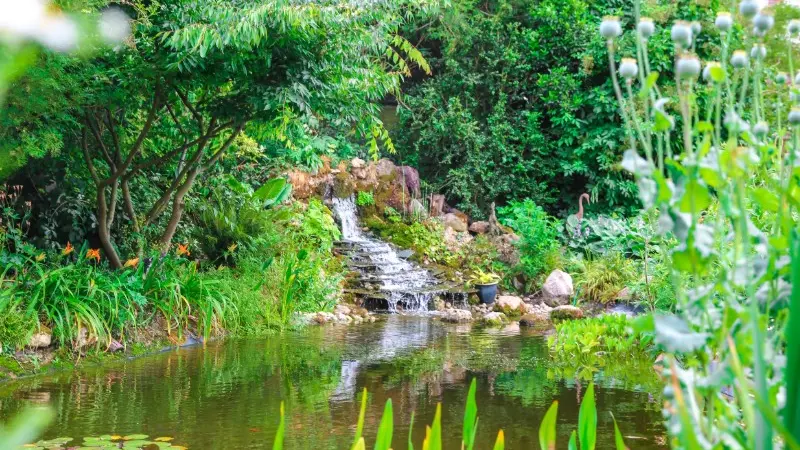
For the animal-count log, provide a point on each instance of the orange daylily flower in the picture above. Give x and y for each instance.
(132, 262)
(93, 253)
(68, 249)
(183, 250)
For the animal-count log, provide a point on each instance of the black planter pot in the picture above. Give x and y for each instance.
(487, 293)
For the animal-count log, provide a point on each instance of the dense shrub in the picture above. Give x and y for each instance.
(603, 278)
(538, 233)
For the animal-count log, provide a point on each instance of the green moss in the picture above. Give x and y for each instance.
(343, 185)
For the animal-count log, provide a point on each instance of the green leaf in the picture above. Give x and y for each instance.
(791, 373)
(675, 336)
(695, 198)
(470, 418)
(703, 127)
(547, 429)
(361, 415)
(587, 420)
(573, 441)
(649, 83)
(500, 443)
(271, 191)
(25, 427)
(278, 444)
(766, 199)
(410, 431)
(618, 441)
(663, 121)
(384, 439)
(718, 74)
(435, 438)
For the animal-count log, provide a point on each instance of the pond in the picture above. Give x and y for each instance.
(228, 395)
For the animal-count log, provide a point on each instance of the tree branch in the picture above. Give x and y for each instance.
(88, 158)
(185, 100)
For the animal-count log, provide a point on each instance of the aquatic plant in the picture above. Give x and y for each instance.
(585, 434)
(722, 177)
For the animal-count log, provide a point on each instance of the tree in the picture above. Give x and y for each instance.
(196, 74)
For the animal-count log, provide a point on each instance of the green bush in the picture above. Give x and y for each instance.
(365, 199)
(610, 334)
(538, 233)
(604, 277)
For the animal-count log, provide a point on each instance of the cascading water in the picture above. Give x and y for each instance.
(386, 281)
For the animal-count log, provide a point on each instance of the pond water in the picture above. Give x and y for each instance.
(227, 395)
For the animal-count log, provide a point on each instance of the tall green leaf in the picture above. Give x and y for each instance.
(273, 191)
(587, 420)
(573, 441)
(24, 428)
(384, 439)
(410, 431)
(791, 412)
(278, 444)
(470, 418)
(547, 429)
(434, 440)
(618, 441)
(360, 427)
(500, 443)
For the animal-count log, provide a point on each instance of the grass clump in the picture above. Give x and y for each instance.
(603, 278)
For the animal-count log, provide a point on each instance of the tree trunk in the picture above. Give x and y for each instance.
(103, 229)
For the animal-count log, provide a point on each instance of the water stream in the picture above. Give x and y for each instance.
(386, 280)
(227, 396)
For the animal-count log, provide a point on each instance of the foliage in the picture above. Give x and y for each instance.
(729, 198)
(587, 426)
(426, 238)
(603, 278)
(365, 199)
(538, 233)
(132, 441)
(480, 277)
(609, 334)
(520, 105)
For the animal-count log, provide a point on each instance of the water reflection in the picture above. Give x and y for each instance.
(227, 395)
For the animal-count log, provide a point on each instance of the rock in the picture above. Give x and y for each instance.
(557, 289)
(532, 320)
(41, 339)
(455, 240)
(624, 295)
(566, 312)
(437, 205)
(480, 227)
(507, 250)
(456, 316)
(341, 309)
(357, 163)
(451, 220)
(115, 346)
(410, 177)
(385, 169)
(508, 303)
(493, 318)
(417, 209)
(405, 254)
(323, 317)
(84, 340)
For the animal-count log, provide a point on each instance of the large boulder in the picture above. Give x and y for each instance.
(437, 205)
(566, 312)
(385, 169)
(557, 289)
(533, 320)
(410, 177)
(456, 223)
(480, 227)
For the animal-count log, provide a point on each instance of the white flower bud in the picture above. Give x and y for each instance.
(646, 27)
(628, 68)
(696, 28)
(610, 27)
(114, 25)
(724, 21)
(759, 51)
(761, 129)
(749, 8)
(688, 66)
(781, 78)
(794, 116)
(763, 22)
(797, 78)
(682, 34)
(733, 122)
(707, 70)
(794, 26)
(739, 59)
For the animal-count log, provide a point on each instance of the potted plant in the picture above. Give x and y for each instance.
(486, 284)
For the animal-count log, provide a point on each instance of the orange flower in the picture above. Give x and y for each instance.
(132, 262)
(68, 249)
(93, 253)
(183, 250)
(40, 257)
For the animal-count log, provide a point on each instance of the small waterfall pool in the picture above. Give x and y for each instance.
(386, 281)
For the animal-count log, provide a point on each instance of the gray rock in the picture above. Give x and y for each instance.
(534, 319)
(557, 289)
(456, 316)
(456, 223)
(566, 312)
(405, 254)
(480, 227)
(357, 163)
(41, 339)
(493, 319)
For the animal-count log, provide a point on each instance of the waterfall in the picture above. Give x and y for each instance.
(386, 280)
